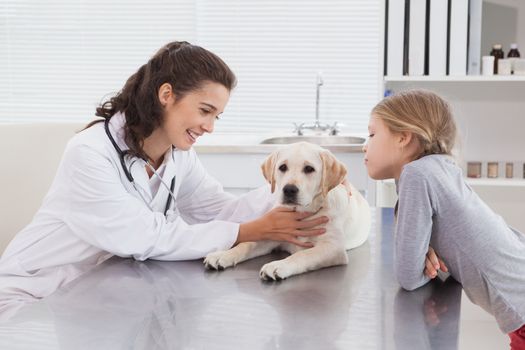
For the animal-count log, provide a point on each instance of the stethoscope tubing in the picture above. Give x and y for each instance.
(127, 172)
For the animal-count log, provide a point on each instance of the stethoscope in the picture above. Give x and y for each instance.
(122, 154)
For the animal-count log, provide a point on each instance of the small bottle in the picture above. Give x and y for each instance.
(498, 53)
(513, 55)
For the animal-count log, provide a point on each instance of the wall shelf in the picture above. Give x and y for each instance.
(465, 79)
(498, 182)
(484, 181)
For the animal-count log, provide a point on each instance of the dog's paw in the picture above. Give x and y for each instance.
(219, 260)
(275, 271)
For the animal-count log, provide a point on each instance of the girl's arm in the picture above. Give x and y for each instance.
(413, 229)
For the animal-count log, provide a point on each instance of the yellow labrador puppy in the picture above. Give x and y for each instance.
(308, 178)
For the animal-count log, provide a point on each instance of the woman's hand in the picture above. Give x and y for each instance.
(433, 263)
(282, 224)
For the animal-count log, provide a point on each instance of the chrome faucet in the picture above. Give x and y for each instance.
(317, 126)
(317, 93)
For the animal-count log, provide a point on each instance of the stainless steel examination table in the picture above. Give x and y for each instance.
(126, 304)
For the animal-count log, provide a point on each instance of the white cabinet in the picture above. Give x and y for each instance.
(240, 172)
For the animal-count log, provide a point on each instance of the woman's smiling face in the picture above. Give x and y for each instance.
(193, 114)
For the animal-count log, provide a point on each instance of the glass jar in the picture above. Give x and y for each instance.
(474, 169)
(492, 170)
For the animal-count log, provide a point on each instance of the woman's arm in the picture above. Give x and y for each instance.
(99, 210)
(201, 198)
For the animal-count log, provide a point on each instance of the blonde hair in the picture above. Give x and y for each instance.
(423, 113)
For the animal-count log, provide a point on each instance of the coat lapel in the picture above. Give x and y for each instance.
(137, 169)
(160, 199)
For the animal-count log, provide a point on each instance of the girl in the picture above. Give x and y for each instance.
(411, 138)
(131, 185)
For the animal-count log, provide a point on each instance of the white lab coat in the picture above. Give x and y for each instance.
(92, 212)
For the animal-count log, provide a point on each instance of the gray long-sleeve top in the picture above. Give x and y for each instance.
(436, 207)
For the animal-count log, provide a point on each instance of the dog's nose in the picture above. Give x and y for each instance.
(290, 191)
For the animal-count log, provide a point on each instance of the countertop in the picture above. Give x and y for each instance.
(126, 304)
(251, 143)
(266, 149)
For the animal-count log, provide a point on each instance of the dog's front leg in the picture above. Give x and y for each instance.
(323, 254)
(239, 253)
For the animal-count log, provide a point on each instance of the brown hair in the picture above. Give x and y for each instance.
(184, 66)
(425, 114)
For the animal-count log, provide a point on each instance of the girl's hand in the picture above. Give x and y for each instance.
(433, 263)
(433, 312)
(282, 224)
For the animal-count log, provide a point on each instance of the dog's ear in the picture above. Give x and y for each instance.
(268, 169)
(334, 172)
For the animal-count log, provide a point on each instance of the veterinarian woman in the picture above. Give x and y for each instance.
(412, 135)
(131, 185)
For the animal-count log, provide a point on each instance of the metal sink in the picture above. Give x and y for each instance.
(319, 140)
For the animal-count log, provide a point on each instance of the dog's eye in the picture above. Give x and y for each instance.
(308, 169)
(283, 168)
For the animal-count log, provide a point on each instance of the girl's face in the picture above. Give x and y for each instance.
(382, 151)
(194, 114)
